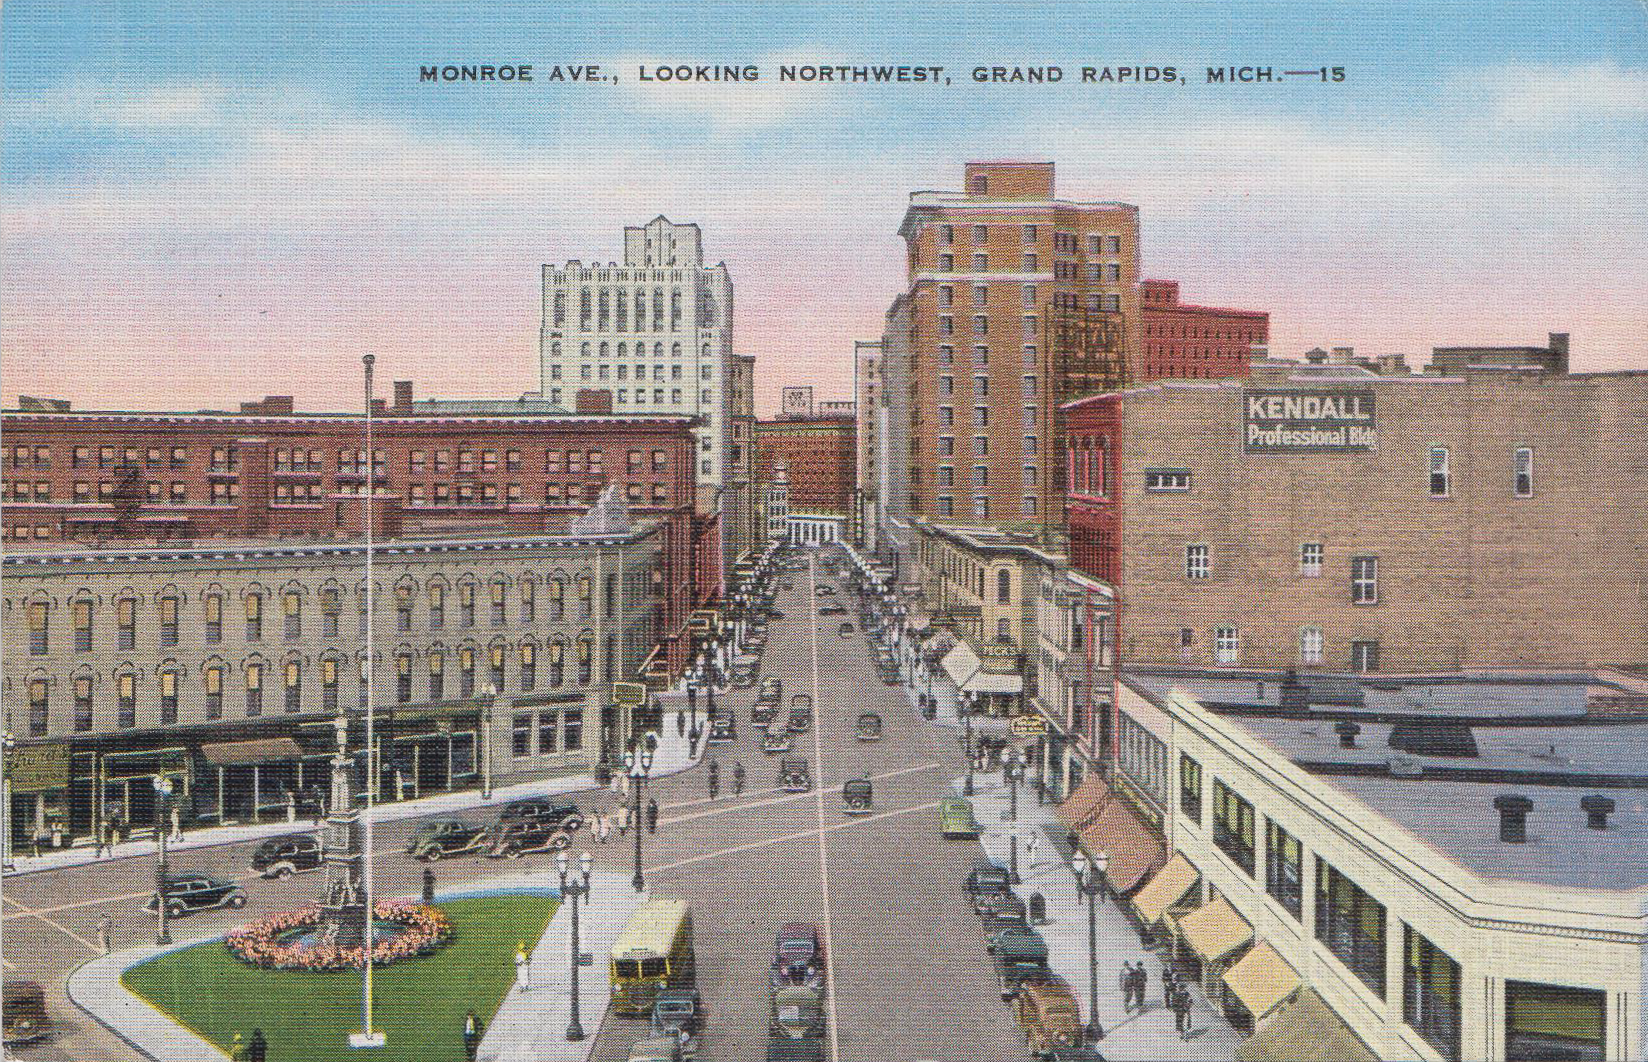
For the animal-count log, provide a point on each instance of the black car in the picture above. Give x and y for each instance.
(722, 728)
(513, 839)
(554, 812)
(281, 857)
(986, 877)
(798, 957)
(794, 776)
(677, 1011)
(1006, 913)
(445, 837)
(185, 895)
(833, 609)
(1075, 1054)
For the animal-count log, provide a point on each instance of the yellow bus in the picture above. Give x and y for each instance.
(653, 952)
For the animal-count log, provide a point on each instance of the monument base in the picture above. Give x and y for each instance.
(375, 1039)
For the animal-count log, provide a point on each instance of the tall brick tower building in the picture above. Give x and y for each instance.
(1017, 302)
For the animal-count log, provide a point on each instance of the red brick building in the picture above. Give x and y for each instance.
(822, 455)
(1184, 341)
(268, 472)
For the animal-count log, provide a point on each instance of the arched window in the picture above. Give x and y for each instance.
(557, 598)
(557, 662)
(586, 649)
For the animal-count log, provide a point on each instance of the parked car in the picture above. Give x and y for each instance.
(801, 715)
(26, 1020)
(986, 877)
(797, 1013)
(722, 728)
(825, 589)
(1010, 935)
(955, 817)
(281, 857)
(1006, 912)
(832, 609)
(763, 713)
(1048, 1014)
(869, 726)
(658, 1049)
(1075, 1054)
(1021, 962)
(445, 837)
(513, 839)
(743, 675)
(186, 895)
(555, 812)
(772, 691)
(677, 1011)
(795, 776)
(857, 796)
(988, 903)
(784, 1049)
(798, 956)
(845, 630)
(776, 740)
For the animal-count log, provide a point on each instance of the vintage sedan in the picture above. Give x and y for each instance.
(794, 776)
(857, 796)
(776, 739)
(869, 726)
(281, 857)
(1048, 1014)
(801, 714)
(1006, 912)
(832, 609)
(785, 1049)
(1021, 962)
(797, 1013)
(513, 839)
(1010, 935)
(955, 817)
(798, 956)
(552, 812)
(986, 878)
(445, 837)
(677, 1011)
(186, 895)
(722, 728)
(25, 1013)
(658, 1049)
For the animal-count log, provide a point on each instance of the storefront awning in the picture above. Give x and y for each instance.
(1081, 807)
(1133, 851)
(960, 663)
(1165, 889)
(1261, 979)
(1304, 1029)
(260, 750)
(1214, 930)
(993, 682)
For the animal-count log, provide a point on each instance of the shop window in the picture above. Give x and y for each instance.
(520, 736)
(1283, 868)
(572, 729)
(1233, 829)
(1554, 1021)
(1352, 926)
(1431, 994)
(549, 731)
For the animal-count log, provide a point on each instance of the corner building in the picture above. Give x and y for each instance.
(1016, 303)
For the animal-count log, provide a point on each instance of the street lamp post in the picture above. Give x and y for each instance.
(967, 745)
(163, 800)
(1012, 769)
(486, 741)
(638, 762)
(1090, 883)
(573, 889)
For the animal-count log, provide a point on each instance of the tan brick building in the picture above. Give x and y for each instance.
(1337, 517)
(1017, 302)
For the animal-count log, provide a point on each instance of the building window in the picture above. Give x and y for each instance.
(466, 604)
(529, 602)
(294, 686)
(557, 664)
(586, 652)
(1364, 580)
(1554, 1021)
(529, 667)
(168, 698)
(1233, 831)
(496, 659)
(520, 736)
(1167, 479)
(329, 685)
(572, 729)
(1310, 645)
(82, 704)
(403, 678)
(498, 590)
(292, 609)
(1364, 656)
(437, 674)
(1430, 994)
(254, 617)
(1524, 472)
(254, 690)
(1441, 480)
(466, 671)
(168, 620)
(214, 693)
(1284, 868)
(1227, 645)
(1352, 925)
(125, 611)
(39, 641)
(1310, 559)
(126, 700)
(1004, 587)
(1190, 788)
(1197, 564)
(549, 731)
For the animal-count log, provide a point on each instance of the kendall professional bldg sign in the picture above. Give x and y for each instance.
(1305, 421)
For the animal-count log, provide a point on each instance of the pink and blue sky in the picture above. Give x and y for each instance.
(209, 202)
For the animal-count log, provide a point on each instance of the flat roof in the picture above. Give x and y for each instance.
(1553, 737)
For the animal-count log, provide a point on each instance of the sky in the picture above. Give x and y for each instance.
(203, 203)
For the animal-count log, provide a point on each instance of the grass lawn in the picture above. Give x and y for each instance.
(420, 1003)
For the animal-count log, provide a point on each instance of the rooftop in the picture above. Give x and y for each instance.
(1407, 746)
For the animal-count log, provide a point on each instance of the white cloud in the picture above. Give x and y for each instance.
(1550, 95)
(188, 105)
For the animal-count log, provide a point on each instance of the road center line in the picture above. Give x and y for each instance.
(800, 835)
(823, 847)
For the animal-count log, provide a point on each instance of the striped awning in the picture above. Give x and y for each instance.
(1082, 806)
(1165, 889)
(1132, 851)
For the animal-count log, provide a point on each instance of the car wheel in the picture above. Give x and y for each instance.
(575, 822)
(237, 900)
(431, 856)
(561, 842)
(512, 853)
(174, 910)
(284, 872)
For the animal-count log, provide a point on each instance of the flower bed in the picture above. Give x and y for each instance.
(261, 943)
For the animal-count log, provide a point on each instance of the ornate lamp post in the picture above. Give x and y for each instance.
(572, 889)
(1012, 769)
(486, 740)
(1090, 883)
(163, 812)
(967, 744)
(638, 762)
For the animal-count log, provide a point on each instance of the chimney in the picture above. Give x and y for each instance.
(1347, 734)
(403, 396)
(1558, 346)
(1513, 817)
(1343, 356)
(1597, 808)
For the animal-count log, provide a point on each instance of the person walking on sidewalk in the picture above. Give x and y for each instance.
(1181, 1011)
(737, 777)
(523, 967)
(1124, 981)
(105, 932)
(1170, 984)
(715, 779)
(471, 1035)
(623, 820)
(1141, 985)
(652, 816)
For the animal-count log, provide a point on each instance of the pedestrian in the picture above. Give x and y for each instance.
(617, 783)
(1170, 984)
(1181, 1012)
(1141, 985)
(652, 816)
(623, 821)
(105, 932)
(257, 1050)
(680, 724)
(177, 824)
(291, 808)
(523, 967)
(237, 1049)
(428, 886)
(471, 1035)
(1125, 981)
(737, 778)
(714, 779)
(1031, 847)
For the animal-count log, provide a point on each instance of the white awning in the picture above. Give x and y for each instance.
(961, 664)
(993, 682)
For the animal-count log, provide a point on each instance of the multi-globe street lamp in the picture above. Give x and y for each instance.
(163, 811)
(638, 762)
(1012, 769)
(573, 889)
(1090, 884)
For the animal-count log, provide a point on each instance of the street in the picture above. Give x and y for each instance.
(907, 977)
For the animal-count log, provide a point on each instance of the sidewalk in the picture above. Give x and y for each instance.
(531, 1026)
(671, 758)
(96, 989)
(1146, 1035)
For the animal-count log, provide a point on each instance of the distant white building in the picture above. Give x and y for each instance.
(796, 402)
(777, 503)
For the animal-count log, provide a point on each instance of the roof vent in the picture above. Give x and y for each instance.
(1347, 734)
(1597, 809)
(1513, 817)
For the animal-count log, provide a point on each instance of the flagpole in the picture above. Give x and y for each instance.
(367, 1037)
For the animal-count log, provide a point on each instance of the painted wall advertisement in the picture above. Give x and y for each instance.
(1336, 421)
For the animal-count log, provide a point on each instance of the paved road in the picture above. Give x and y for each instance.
(909, 976)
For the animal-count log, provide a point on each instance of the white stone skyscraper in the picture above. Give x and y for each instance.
(655, 334)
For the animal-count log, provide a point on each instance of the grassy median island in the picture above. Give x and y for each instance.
(420, 1002)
